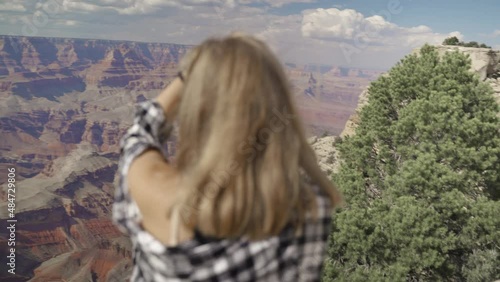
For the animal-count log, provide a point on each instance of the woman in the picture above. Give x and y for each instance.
(245, 199)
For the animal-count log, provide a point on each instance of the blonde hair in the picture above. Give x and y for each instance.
(240, 142)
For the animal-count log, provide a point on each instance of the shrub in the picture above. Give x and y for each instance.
(420, 178)
(456, 42)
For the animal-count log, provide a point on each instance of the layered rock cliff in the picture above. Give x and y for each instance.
(327, 96)
(64, 105)
(64, 212)
(52, 67)
(484, 61)
(326, 154)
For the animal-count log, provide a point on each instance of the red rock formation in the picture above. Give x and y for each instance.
(326, 98)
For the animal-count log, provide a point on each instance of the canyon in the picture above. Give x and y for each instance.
(65, 103)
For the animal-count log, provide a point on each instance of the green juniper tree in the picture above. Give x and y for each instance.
(456, 42)
(421, 178)
(451, 41)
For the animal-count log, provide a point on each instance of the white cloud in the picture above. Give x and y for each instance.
(125, 7)
(9, 20)
(496, 33)
(146, 6)
(353, 27)
(80, 6)
(276, 3)
(12, 7)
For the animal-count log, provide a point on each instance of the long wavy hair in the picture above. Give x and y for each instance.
(240, 142)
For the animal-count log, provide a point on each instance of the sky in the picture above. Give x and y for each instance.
(371, 34)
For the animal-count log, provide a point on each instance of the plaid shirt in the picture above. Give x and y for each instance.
(280, 258)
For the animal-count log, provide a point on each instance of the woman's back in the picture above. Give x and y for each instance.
(285, 257)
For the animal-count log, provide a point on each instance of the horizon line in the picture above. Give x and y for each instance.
(188, 45)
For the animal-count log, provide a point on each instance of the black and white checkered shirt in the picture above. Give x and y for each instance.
(280, 258)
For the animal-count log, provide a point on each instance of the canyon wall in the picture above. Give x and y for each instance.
(64, 105)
